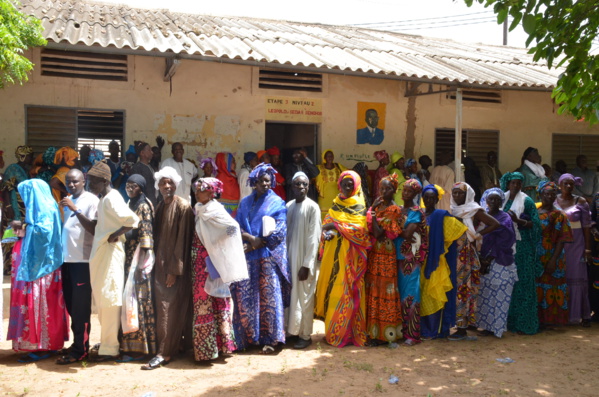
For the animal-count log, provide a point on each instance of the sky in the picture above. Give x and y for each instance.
(450, 19)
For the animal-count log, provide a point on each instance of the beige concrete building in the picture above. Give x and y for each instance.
(235, 84)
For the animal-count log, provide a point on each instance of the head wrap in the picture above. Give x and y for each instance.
(49, 155)
(96, 155)
(211, 161)
(169, 173)
(380, 154)
(325, 153)
(139, 180)
(274, 151)
(131, 150)
(504, 182)
(546, 184)
(249, 156)
(577, 180)
(100, 170)
(392, 179)
(396, 156)
(439, 191)
(258, 171)
(410, 162)
(260, 154)
(489, 192)
(355, 177)
(211, 184)
(467, 210)
(414, 184)
(298, 174)
(66, 155)
(22, 152)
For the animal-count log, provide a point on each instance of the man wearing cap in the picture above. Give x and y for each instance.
(107, 258)
(250, 160)
(301, 163)
(185, 169)
(303, 234)
(173, 232)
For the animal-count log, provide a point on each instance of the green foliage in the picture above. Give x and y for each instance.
(561, 32)
(17, 33)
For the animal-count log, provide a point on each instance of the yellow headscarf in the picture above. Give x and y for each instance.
(67, 155)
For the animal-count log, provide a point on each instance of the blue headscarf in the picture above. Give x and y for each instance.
(488, 192)
(249, 156)
(260, 170)
(41, 251)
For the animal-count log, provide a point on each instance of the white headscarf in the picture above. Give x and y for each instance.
(167, 172)
(467, 210)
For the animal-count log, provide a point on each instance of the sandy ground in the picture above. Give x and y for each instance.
(561, 362)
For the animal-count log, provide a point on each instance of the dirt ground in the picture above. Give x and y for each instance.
(562, 362)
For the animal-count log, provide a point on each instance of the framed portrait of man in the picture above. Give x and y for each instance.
(370, 123)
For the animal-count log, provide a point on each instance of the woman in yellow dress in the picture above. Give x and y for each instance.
(340, 292)
(326, 181)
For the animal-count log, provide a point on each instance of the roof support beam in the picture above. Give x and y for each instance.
(458, 136)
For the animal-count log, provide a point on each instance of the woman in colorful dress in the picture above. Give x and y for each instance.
(397, 167)
(340, 293)
(532, 172)
(498, 269)
(523, 316)
(382, 293)
(594, 269)
(411, 249)
(48, 168)
(38, 316)
(383, 158)
(464, 207)
(552, 289)
(578, 253)
(439, 275)
(139, 241)
(225, 164)
(258, 316)
(327, 181)
(216, 253)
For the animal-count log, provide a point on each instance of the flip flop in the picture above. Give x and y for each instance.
(266, 350)
(154, 363)
(32, 358)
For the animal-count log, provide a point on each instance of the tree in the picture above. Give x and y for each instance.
(18, 32)
(563, 32)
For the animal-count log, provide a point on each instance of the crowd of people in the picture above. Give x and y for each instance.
(176, 256)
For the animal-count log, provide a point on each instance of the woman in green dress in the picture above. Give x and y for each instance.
(523, 315)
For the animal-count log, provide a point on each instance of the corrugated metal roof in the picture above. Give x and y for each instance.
(299, 44)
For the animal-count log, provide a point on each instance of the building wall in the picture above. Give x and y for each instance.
(218, 107)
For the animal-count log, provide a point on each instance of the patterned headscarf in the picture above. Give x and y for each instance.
(435, 188)
(49, 155)
(504, 182)
(66, 155)
(487, 193)
(211, 161)
(22, 152)
(211, 184)
(414, 184)
(410, 162)
(96, 155)
(380, 154)
(353, 175)
(260, 170)
(392, 179)
(546, 184)
(577, 180)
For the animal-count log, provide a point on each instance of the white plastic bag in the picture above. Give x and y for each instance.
(144, 260)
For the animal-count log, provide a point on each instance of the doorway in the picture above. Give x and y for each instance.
(289, 137)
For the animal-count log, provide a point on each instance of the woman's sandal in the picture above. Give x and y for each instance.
(68, 359)
(266, 350)
(33, 358)
(154, 363)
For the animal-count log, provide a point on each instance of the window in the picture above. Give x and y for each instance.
(476, 143)
(290, 80)
(83, 65)
(566, 147)
(53, 126)
(482, 96)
